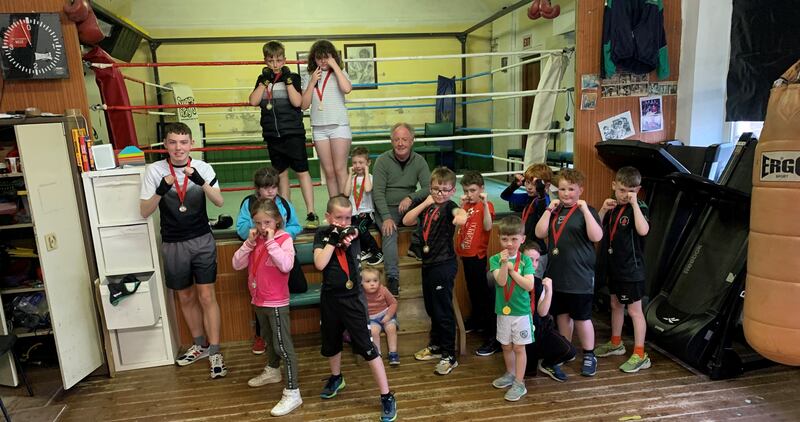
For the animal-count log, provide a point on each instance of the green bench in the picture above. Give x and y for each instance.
(305, 254)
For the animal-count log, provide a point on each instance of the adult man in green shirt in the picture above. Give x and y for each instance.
(396, 175)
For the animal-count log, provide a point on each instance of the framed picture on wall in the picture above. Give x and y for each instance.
(301, 68)
(361, 72)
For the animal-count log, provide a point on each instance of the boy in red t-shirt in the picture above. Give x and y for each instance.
(472, 240)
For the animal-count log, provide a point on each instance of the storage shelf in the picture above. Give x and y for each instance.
(16, 226)
(25, 332)
(21, 290)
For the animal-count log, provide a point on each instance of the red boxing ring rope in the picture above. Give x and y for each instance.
(174, 64)
(228, 148)
(163, 106)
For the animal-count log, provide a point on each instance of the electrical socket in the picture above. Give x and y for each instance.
(50, 241)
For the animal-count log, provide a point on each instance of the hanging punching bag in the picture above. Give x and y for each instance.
(772, 299)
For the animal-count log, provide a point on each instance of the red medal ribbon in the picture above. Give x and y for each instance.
(357, 197)
(340, 255)
(557, 233)
(427, 222)
(614, 228)
(507, 291)
(269, 90)
(527, 211)
(181, 191)
(259, 255)
(324, 83)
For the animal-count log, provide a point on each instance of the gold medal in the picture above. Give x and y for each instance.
(182, 208)
(269, 106)
(349, 284)
(506, 310)
(426, 249)
(555, 251)
(320, 107)
(610, 251)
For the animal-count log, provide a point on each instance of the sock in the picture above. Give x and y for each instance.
(616, 340)
(387, 395)
(213, 349)
(336, 377)
(200, 341)
(639, 350)
(588, 352)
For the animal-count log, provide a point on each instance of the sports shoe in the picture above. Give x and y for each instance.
(414, 254)
(259, 346)
(553, 372)
(218, 368)
(608, 349)
(589, 367)
(291, 400)
(312, 221)
(446, 365)
(393, 285)
(516, 391)
(191, 356)
(332, 387)
(394, 359)
(269, 375)
(489, 348)
(428, 353)
(389, 406)
(364, 255)
(635, 363)
(375, 259)
(503, 382)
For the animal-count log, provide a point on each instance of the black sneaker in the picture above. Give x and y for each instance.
(312, 221)
(332, 387)
(489, 348)
(553, 372)
(414, 254)
(393, 285)
(389, 405)
(375, 258)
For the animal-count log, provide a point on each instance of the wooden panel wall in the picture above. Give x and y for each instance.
(55, 95)
(589, 28)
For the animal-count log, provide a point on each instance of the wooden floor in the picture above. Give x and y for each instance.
(665, 391)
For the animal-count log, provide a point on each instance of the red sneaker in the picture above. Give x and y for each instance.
(259, 345)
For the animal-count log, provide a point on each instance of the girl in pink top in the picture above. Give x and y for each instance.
(268, 253)
(382, 307)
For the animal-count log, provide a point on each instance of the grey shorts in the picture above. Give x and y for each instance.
(189, 262)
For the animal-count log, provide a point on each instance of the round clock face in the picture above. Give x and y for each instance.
(32, 46)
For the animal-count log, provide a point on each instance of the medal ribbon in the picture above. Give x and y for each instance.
(462, 232)
(357, 197)
(181, 191)
(340, 255)
(271, 86)
(324, 83)
(528, 210)
(507, 291)
(427, 222)
(259, 255)
(557, 233)
(614, 228)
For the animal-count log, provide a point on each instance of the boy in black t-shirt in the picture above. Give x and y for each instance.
(439, 265)
(571, 227)
(343, 305)
(625, 225)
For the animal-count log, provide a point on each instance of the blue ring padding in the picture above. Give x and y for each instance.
(376, 131)
(462, 103)
(473, 154)
(377, 84)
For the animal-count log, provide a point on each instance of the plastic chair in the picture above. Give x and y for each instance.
(439, 148)
(7, 346)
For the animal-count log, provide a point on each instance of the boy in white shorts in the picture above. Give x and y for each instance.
(513, 274)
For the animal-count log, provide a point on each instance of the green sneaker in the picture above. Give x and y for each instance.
(516, 391)
(608, 349)
(312, 221)
(635, 363)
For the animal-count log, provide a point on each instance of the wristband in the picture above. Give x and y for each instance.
(197, 179)
(163, 187)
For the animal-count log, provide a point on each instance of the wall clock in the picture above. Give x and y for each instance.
(32, 46)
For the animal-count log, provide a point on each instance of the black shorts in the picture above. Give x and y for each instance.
(577, 305)
(627, 292)
(190, 261)
(339, 313)
(288, 152)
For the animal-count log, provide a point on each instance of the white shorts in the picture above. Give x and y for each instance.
(516, 330)
(328, 132)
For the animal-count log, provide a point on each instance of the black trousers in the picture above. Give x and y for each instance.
(481, 295)
(363, 222)
(549, 346)
(437, 291)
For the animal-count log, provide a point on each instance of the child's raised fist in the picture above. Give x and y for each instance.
(609, 204)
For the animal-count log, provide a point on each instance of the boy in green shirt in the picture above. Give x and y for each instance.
(513, 274)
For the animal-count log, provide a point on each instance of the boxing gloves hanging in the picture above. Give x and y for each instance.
(543, 8)
(80, 12)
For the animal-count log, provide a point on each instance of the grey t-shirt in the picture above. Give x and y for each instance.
(333, 110)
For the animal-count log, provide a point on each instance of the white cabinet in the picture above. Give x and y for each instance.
(56, 236)
(142, 325)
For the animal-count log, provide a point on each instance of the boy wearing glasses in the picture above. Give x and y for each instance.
(438, 217)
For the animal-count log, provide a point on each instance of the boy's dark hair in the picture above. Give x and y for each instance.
(511, 225)
(472, 177)
(443, 175)
(360, 151)
(319, 50)
(268, 207)
(273, 49)
(539, 171)
(338, 201)
(530, 245)
(178, 128)
(571, 176)
(266, 177)
(629, 177)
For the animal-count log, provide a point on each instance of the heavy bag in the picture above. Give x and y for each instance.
(771, 312)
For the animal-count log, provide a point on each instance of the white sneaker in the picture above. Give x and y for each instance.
(218, 368)
(291, 400)
(192, 355)
(268, 376)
